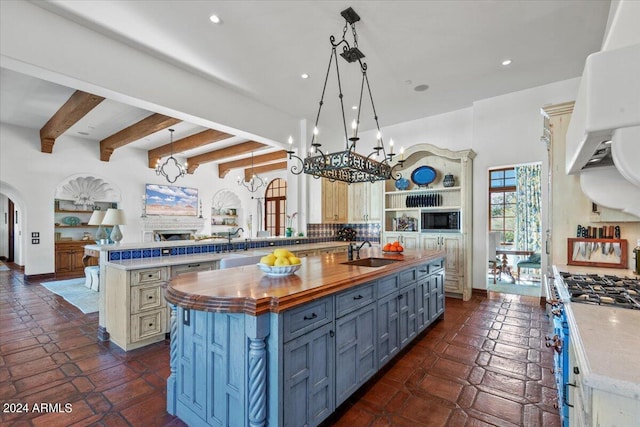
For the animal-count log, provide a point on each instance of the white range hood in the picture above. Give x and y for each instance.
(608, 109)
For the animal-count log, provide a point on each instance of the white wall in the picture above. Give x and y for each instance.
(503, 131)
(507, 131)
(29, 177)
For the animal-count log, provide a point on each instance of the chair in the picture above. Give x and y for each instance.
(532, 262)
(92, 274)
(495, 263)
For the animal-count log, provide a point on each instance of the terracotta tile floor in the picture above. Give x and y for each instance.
(483, 364)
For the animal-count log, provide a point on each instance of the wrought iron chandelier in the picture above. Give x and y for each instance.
(348, 165)
(255, 182)
(171, 171)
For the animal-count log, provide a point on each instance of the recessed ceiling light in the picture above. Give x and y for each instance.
(506, 62)
(421, 88)
(215, 19)
(304, 75)
(355, 107)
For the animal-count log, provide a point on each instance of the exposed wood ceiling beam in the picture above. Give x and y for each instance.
(263, 168)
(194, 141)
(144, 127)
(224, 168)
(76, 107)
(223, 153)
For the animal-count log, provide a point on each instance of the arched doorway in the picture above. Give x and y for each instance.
(275, 207)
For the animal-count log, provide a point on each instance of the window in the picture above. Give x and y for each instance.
(275, 207)
(502, 203)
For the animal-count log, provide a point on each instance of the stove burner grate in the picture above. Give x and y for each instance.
(603, 290)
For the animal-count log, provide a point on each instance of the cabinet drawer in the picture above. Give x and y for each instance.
(146, 297)
(407, 277)
(148, 324)
(303, 319)
(195, 266)
(422, 270)
(141, 277)
(350, 300)
(387, 285)
(436, 265)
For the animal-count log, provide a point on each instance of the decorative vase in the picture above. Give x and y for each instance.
(449, 180)
(116, 234)
(288, 232)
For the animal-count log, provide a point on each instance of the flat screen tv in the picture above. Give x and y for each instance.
(171, 200)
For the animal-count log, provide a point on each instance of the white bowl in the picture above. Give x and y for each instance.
(279, 271)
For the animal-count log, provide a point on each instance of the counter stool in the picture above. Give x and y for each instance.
(92, 275)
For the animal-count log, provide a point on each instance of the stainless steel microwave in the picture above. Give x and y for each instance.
(448, 220)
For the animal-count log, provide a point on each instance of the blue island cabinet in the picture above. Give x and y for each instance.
(294, 368)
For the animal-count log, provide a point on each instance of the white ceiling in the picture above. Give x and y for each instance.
(261, 48)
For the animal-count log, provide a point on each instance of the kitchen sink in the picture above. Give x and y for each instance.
(371, 262)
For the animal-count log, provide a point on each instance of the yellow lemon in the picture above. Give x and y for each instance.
(281, 252)
(280, 261)
(268, 260)
(294, 260)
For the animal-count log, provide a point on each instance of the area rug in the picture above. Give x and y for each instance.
(516, 289)
(74, 292)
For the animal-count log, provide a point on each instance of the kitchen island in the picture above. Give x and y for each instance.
(131, 274)
(247, 349)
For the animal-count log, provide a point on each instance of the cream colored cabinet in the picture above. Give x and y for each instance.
(334, 201)
(452, 244)
(194, 266)
(365, 202)
(135, 309)
(403, 210)
(407, 240)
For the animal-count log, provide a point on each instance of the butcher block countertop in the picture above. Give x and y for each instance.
(248, 290)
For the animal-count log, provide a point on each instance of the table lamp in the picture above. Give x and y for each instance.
(96, 219)
(116, 218)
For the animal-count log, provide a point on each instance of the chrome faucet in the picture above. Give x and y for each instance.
(353, 248)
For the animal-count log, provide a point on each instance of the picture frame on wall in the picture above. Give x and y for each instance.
(171, 200)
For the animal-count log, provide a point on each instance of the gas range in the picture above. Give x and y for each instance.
(605, 290)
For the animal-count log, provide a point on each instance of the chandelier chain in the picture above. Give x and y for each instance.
(348, 165)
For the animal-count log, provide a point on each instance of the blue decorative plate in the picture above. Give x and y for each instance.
(402, 184)
(423, 176)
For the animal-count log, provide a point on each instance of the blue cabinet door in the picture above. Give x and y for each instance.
(192, 355)
(423, 294)
(355, 351)
(211, 381)
(388, 318)
(408, 325)
(436, 303)
(308, 364)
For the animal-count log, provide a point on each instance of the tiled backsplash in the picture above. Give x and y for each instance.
(370, 232)
(316, 233)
